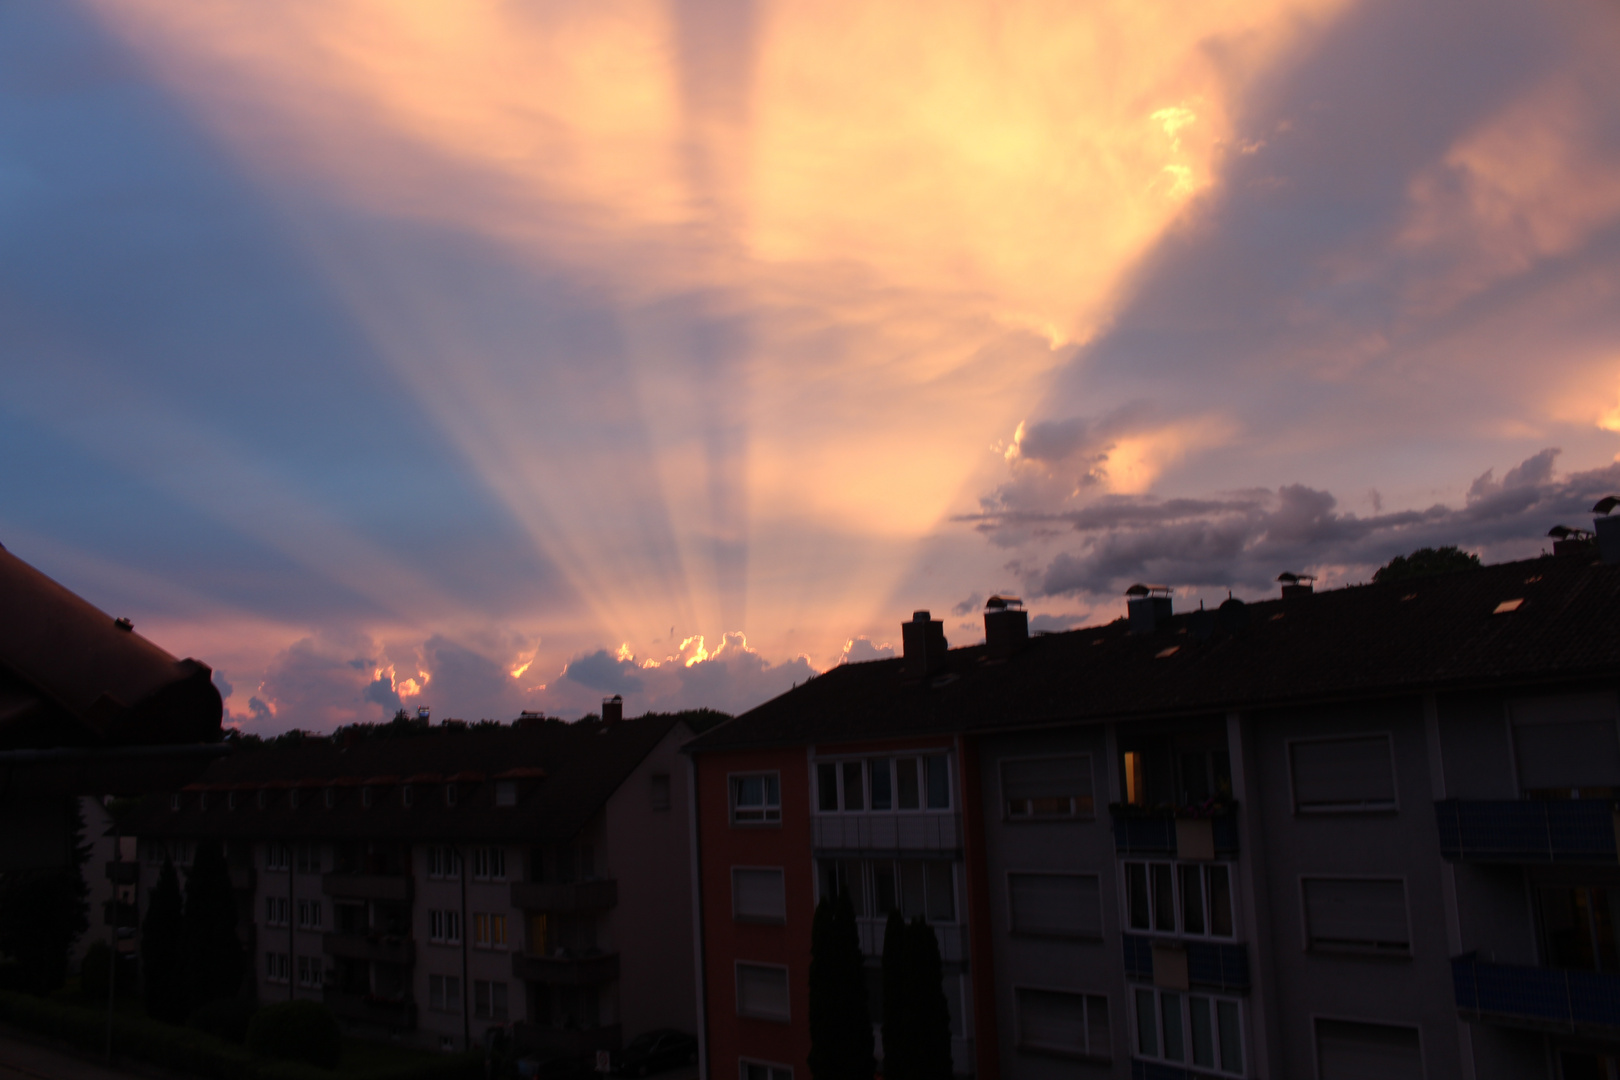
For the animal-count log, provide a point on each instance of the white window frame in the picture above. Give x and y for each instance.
(785, 1018)
(920, 756)
(309, 972)
(780, 872)
(766, 809)
(441, 1001)
(1330, 949)
(1186, 996)
(1076, 814)
(1176, 892)
(444, 926)
(1044, 1049)
(486, 940)
(773, 1068)
(1394, 807)
(489, 863)
(276, 967)
(1037, 934)
(310, 915)
(1316, 1048)
(275, 911)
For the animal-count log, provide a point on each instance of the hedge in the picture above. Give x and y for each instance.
(194, 1053)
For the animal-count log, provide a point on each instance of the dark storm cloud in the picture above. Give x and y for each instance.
(601, 670)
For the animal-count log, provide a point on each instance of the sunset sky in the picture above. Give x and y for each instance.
(500, 355)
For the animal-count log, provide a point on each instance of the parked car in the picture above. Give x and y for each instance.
(656, 1050)
(559, 1067)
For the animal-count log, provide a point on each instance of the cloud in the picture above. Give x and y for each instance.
(224, 687)
(860, 649)
(732, 678)
(968, 606)
(1246, 539)
(601, 670)
(1057, 623)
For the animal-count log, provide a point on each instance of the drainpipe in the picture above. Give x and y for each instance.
(693, 838)
(466, 987)
(112, 959)
(292, 924)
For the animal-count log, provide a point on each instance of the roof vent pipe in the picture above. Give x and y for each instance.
(1607, 528)
(925, 645)
(1295, 585)
(1148, 607)
(1006, 626)
(612, 710)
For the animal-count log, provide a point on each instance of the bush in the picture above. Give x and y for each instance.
(296, 1031)
(226, 1018)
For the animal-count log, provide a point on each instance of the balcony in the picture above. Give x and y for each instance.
(1137, 832)
(1543, 999)
(385, 947)
(124, 873)
(566, 970)
(367, 886)
(578, 896)
(368, 1009)
(1527, 830)
(532, 1039)
(953, 939)
(1211, 965)
(884, 830)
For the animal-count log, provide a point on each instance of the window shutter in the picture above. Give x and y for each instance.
(1066, 905)
(1351, 774)
(1347, 1051)
(762, 991)
(1047, 1018)
(759, 894)
(1354, 913)
(1047, 778)
(1566, 742)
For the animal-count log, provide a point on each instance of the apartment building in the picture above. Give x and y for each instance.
(1366, 831)
(430, 886)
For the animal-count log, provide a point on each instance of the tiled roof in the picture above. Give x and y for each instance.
(1356, 642)
(72, 675)
(564, 774)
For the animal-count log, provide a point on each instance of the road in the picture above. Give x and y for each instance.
(24, 1059)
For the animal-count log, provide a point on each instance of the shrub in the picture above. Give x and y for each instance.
(225, 1018)
(296, 1031)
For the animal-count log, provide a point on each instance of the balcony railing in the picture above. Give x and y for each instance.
(886, 830)
(1586, 1002)
(367, 886)
(1211, 965)
(1137, 833)
(566, 970)
(1527, 830)
(368, 1009)
(388, 948)
(579, 896)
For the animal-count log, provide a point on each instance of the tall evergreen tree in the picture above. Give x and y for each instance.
(840, 1024)
(43, 911)
(899, 1057)
(927, 1015)
(163, 949)
(213, 952)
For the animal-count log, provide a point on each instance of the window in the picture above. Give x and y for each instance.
(1052, 1021)
(275, 911)
(1343, 775)
(914, 887)
(330, 795)
(758, 894)
(1057, 787)
(276, 856)
(660, 791)
(1193, 899)
(489, 863)
(1055, 905)
(489, 931)
(449, 794)
(308, 859)
(275, 967)
(762, 991)
(309, 971)
(1196, 1029)
(309, 914)
(444, 926)
(759, 1070)
(406, 795)
(444, 993)
(489, 1000)
(756, 800)
(506, 793)
(174, 801)
(1356, 915)
(939, 782)
(1349, 1051)
(443, 862)
(230, 801)
(365, 797)
(292, 798)
(1565, 746)
(908, 793)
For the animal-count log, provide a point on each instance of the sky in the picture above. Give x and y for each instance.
(506, 354)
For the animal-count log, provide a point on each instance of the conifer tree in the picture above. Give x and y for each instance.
(899, 1059)
(840, 1024)
(213, 952)
(43, 911)
(928, 1017)
(163, 949)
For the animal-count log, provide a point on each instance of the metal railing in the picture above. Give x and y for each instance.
(1526, 830)
(1535, 997)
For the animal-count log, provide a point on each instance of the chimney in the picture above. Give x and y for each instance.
(612, 710)
(1006, 626)
(1568, 541)
(925, 645)
(1296, 585)
(1607, 528)
(1148, 607)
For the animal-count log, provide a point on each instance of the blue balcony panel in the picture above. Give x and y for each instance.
(1526, 830)
(1137, 835)
(1220, 966)
(1547, 999)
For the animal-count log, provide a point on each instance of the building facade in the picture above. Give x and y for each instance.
(433, 886)
(1361, 832)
